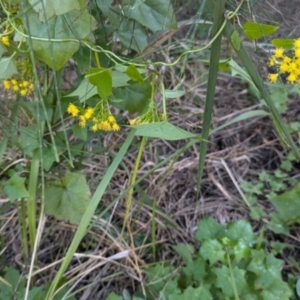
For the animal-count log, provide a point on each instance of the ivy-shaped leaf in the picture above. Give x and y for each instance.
(67, 199)
(240, 231)
(15, 188)
(102, 79)
(191, 293)
(134, 74)
(209, 228)
(7, 67)
(212, 250)
(75, 25)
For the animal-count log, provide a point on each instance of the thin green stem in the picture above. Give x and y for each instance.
(236, 295)
(132, 182)
(23, 226)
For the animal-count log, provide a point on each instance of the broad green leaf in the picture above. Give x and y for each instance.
(76, 25)
(288, 205)
(80, 132)
(67, 198)
(2, 49)
(240, 230)
(49, 8)
(257, 213)
(277, 225)
(152, 14)
(7, 67)
(119, 79)
(224, 281)
(134, 74)
(113, 296)
(191, 293)
(28, 139)
(212, 250)
(185, 251)
(136, 97)
(277, 290)
(84, 91)
(236, 41)
(174, 93)
(254, 31)
(15, 188)
(163, 130)
(102, 79)
(209, 228)
(283, 43)
(48, 158)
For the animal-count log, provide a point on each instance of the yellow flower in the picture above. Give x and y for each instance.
(23, 92)
(111, 119)
(297, 52)
(5, 41)
(297, 43)
(15, 88)
(284, 67)
(115, 127)
(95, 127)
(88, 113)
(279, 52)
(292, 78)
(286, 59)
(24, 84)
(73, 110)
(82, 121)
(6, 84)
(273, 77)
(14, 81)
(106, 126)
(272, 61)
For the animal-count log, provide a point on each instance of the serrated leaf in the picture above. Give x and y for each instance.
(257, 213)
(67, 199)
(212, 250)
(75, 25)
(136, 97)
(254, 31)
(170, 94)
(209, 228)
(240, 231)
(134, 74)
(163, 130)
(283, 43)
(191, 293)
(288, 205)
(152, 14)
(224, 281)
(15, 188)
(185, 252)
(7, 67)
(277, 290)
(49, 8)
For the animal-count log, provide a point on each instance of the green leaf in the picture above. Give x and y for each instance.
(48, 158)
(136, 97)
(75, 25)
(2, 49)
(163, 130)
(212, 250)
(191, 293)
(240, 230)
(174, 93)
(102, 79)
(84, 91)
(185, 252)
(152, 14)
(236, 41)
(113, 296)
(49, 8)
(134, 74)
(28, 139)
(7, 67)
(254, 31)
(277, 290)
(288, 205)
(277, 225)
(15, 188)
(298, 287)
(283, 43)
(224, 281)
(257, 213)
(209, 228)
(67, 199)
(80, 132)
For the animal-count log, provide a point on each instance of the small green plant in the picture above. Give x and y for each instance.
(230, 264)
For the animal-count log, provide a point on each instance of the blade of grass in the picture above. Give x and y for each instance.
(218, 20)
(87, 216)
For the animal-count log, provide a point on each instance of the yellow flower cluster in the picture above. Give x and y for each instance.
(286, 64)
(21, 86)
(98, 118)
(5, 41)
(151, 116)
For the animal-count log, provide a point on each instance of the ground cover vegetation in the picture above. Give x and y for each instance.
(149, 150)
